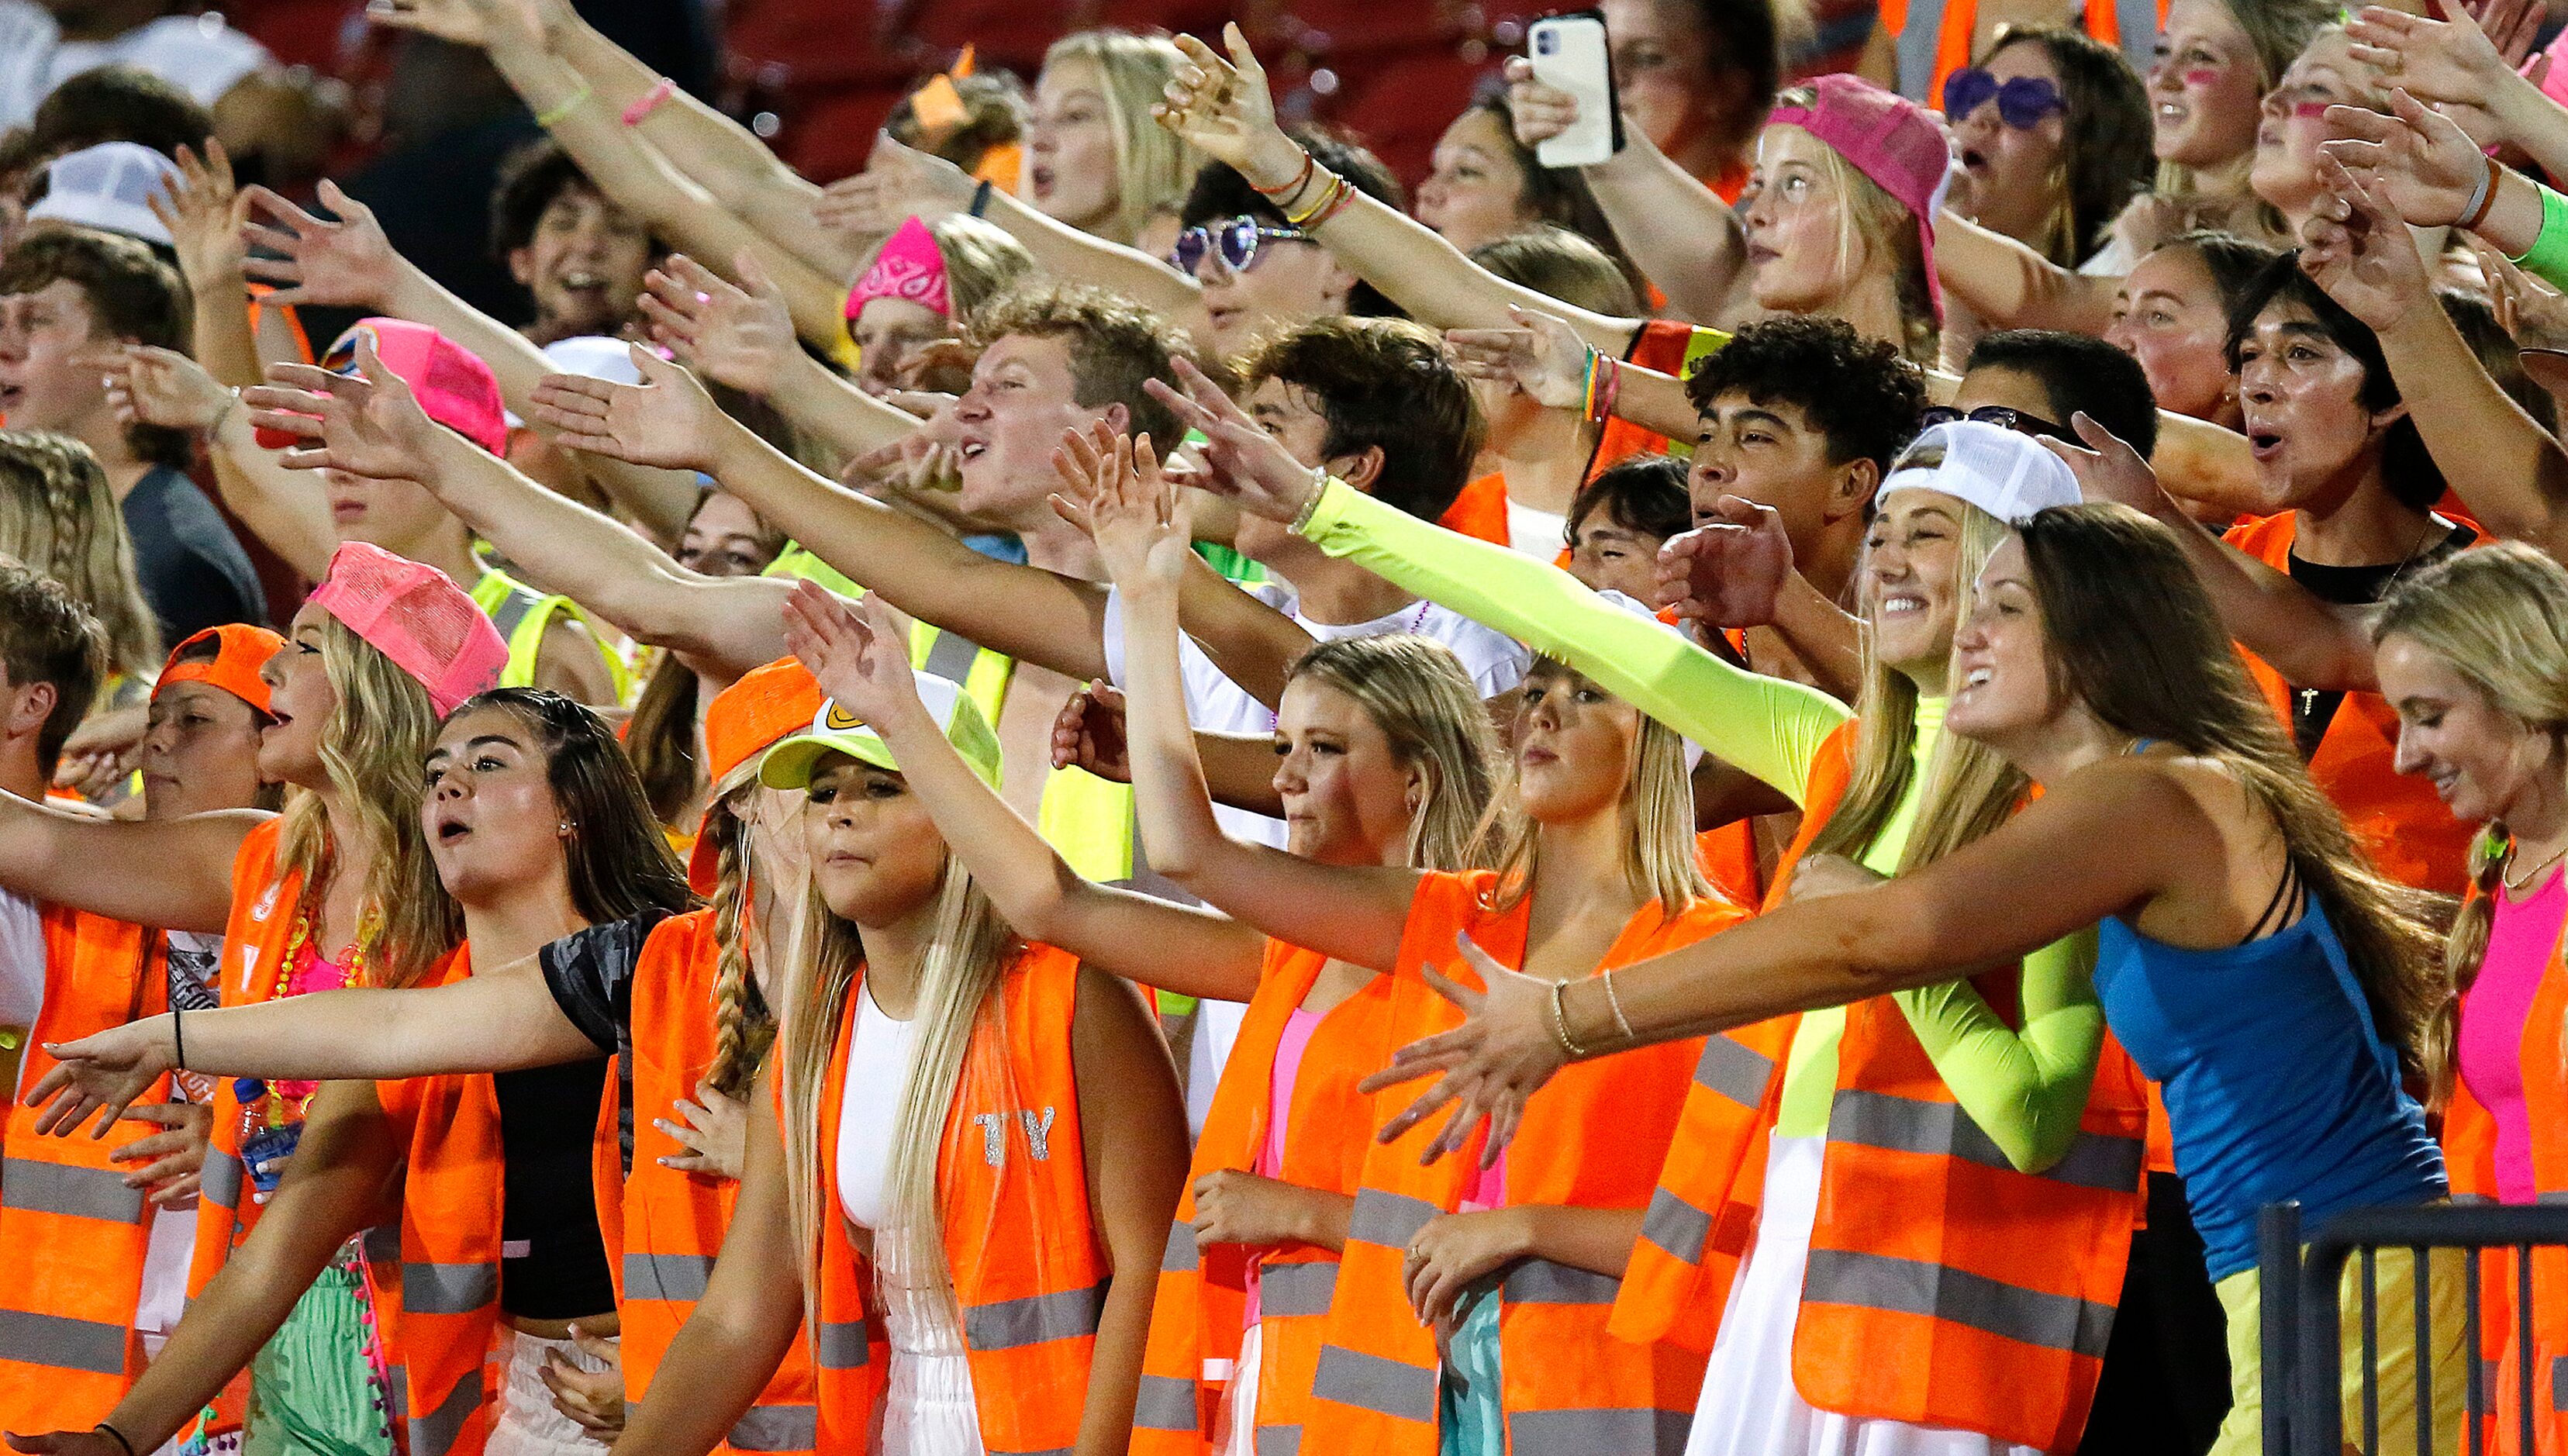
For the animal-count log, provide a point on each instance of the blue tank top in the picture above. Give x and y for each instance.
(2277, 1085)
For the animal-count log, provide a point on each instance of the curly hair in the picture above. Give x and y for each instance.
(531, 178)
(1860, 393)
(1114, 345)
(1386, 384)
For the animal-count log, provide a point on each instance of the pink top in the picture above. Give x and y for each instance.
(1289, 1049)
(2521, 941)
(310, 974)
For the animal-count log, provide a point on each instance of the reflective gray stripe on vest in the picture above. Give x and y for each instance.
(396, 1381)
(778, 1428)
(220, 1183)
(1913, 1287)
(512, 612)
(952, 655)
(1180, 1253)
(1387, 1219)
(1918, 40)
(1677, 1227)
(1279, 1440)
(1165, 1403)
(2559, 1383)
(1621, 1430)
(434, 1434)
(1370, 1382)
(62, 1344)
(1293, 1289)
(69, 1191)
(1541, 1282)
(668, 1277)
(842, 1347)
(2100, 1161)
(1735, 1071)
(1034, 1319)
(448, 1288)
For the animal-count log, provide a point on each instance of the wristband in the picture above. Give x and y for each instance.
(119, 1435)
(2547, 258)
(177, 1040)
(649, 100)
(553, 116)
(2482, 197)
(1311, 508)
(980, 197)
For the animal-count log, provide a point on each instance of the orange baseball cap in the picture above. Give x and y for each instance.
(240, 650)
(763, 705)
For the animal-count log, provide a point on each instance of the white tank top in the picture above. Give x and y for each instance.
(877, 1068)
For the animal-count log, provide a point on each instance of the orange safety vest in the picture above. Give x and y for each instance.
(75, 1234)
(1588, 1139)
(1670, 348)
(2412, 837)
(1926, 61)
(1030, 1272)
(665, 1228)
(1994, 1322)
(1199, 1317)
(434, 1280)
(2469, 1157)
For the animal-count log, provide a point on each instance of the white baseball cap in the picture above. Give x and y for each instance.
(2007, 475)
(109, 186)
(594, 356)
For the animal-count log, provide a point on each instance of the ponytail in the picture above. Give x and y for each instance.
(743, 1025)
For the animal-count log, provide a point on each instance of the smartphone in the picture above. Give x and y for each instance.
(1568, 52)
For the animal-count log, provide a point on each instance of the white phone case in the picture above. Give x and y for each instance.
(1568, 53)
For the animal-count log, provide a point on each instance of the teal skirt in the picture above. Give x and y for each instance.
(311, 1389)
(1470, 1419)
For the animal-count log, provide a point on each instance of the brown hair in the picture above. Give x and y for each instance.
(1561, 264)
(619, 863)
(1113, 346)
(45, 636)
(132, 296)
(58, 516)
(2106, 138)
(2133, 637)
(1385, 383)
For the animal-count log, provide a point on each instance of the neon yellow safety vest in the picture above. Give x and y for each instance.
(523, 615)
(1087, 820)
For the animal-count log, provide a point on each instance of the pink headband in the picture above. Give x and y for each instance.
(1888, 139)
(909, 268)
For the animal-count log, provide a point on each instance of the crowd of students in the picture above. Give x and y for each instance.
(1112, 788)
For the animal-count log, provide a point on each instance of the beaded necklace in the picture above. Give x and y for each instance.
(270, 1104)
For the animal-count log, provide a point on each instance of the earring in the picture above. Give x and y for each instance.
(564, 830)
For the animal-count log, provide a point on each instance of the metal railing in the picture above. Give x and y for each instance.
(2300, 1274)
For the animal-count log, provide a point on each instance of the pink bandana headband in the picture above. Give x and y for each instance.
(908, 268)
(1888, 139)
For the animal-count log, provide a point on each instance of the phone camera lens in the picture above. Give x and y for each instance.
(1547, 43)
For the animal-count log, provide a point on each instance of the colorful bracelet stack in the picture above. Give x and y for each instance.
(1315, 195)
(1604, 385)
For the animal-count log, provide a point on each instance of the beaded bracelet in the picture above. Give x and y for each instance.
(555, 116)
(649, 102)
(1561, 1021)
(2547, 258)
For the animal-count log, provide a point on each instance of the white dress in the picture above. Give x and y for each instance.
(1749, 1405)
(927, 1407)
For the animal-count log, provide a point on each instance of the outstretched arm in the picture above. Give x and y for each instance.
(862, 662)
(1549, 358)
(177, 872)
(1354, 914)
(2012, 287)
(1224, 110)
(286, 510)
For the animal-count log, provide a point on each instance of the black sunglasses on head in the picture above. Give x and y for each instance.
(2021, 422)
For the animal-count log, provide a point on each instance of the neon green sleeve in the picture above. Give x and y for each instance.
(1764, 726)
(2026, 1089)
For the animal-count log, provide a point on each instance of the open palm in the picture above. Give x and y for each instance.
(367, 424)
(1225, 109)
(667, 420)
(348, 263)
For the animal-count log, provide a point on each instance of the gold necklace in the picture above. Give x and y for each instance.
(2514, 886)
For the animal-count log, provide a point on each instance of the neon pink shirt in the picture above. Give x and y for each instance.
(1289, 1049)
(2521, 942)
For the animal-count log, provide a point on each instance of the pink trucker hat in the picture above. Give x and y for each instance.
(1890, 139)
(453, 384)
(415, 615)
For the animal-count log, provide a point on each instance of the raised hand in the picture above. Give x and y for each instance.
(2355, 247)
(1730, 571)
(856, 651)
(2108, 469)
(2458, 64)
(1490, 1063)
(1225, 109)
(2429, 167)
(1540, 112)
(667, 420)
(1242, 463)
(100, 1074)
(1088, 734)
(476, 23)
(1118, 495)
(2527, 308)
(150, 386)
(898, 183)
(368, 424)
(349, 263)
(1542, 355)
(206, 213)
(173, 1160)
(926, 462)
(594, 1399)
(732, 336)
(714, 1129)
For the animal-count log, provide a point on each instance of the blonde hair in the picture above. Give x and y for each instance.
(1968, 789)
(378, 735)
(1871, 223)
(2278, 30)
(2498, 617)
(60, 518)
(981, 262)
(743, 1025)
(1415, 689)
(969, 950)
(1152, 167)
(1657, 815)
